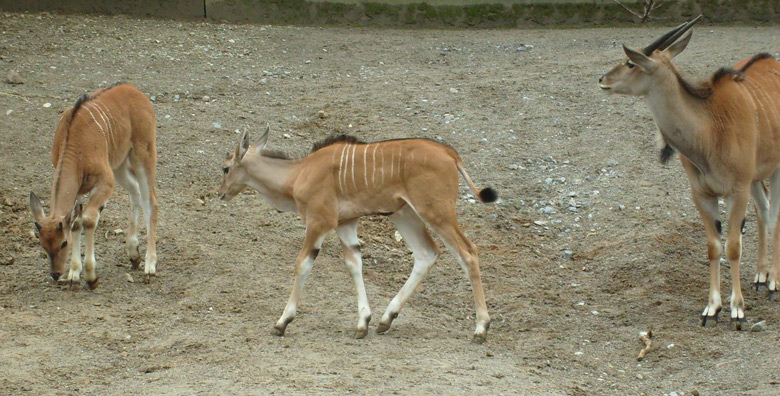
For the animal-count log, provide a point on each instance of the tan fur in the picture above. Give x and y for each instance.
(414, 180)
(110, 137)
(728, 134)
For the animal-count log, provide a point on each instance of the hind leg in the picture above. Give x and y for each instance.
(425, 251)
(126, 179)
(443, 221)
(144, 166)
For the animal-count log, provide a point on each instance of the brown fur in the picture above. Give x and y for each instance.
(414, 180)
(109, 130)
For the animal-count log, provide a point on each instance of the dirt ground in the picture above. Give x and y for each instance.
(577, 172)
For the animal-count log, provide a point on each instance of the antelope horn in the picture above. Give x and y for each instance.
(655, 44)
(677, 35)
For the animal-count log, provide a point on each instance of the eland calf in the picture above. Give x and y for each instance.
(727, 131)
(108, 136)
(414, 181)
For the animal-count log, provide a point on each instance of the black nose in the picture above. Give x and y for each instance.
(55, 275)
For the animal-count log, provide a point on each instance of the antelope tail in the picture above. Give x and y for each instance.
(486, 195)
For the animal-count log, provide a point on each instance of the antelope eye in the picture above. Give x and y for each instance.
(64, 243)
(225, 170)
(630, 65)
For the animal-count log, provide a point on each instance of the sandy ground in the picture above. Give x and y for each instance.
(523, 109)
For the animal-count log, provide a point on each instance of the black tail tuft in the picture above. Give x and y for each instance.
(488, 195)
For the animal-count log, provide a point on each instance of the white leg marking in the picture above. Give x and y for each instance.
(74, 272)
(373, 171)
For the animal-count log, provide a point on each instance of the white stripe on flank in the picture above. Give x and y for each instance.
(373, 171)
(96, 107)
(98, 124)
(341, 170)
(365, 166)
(392, 162)
(353, 167)
(383, 166)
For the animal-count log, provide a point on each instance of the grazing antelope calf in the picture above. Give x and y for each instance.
(727, 132)
(415, 181)
(107, 136)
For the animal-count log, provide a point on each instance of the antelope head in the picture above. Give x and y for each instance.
(648, 67)
(54, 234)
(233, 172)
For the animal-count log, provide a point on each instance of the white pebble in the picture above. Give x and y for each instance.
(47, 105)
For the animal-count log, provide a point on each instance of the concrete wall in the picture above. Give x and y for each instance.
(438, 13)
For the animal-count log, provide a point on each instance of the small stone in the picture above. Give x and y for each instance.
(217, 125)
(695, 392)
(453, 90)
(263, 81)
(47, 105)
(548, 180)
(321, 114)
(206, 98)
(758, 327)
(118, 231)
(287, 136)
(548, 210)
(489, 354)
(612, 163)
(9, 112)
(153, 98)
(513, 166)
(7, 260)
(567, 254)
(673, 393)
(13, 78)
(128, 277)
(640, 376)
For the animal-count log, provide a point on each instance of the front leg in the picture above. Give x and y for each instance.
(708, 210)
(737, 206)
(350, 245)
(74, 272)
(315, 234)
(90, 219)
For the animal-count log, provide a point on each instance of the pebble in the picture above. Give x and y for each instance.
(13, 78)
(217, 125)
(321, 114)
(206, 98)
(758, 327)
(567, 254)
(8, 260)
(47, 105)
(9, 112)
(548, 210)
(673, 393)
(612, 163)
(128, 277)
(453, 90)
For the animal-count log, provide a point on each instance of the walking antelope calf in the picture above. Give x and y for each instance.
(107, 136)
(727, 132)
(415, 181)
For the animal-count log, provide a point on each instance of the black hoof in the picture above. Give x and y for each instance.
(772, 295)
(135, 263)
(277, 331)
(710, 319)
(93, 284)
(739, 324)
(479, 339)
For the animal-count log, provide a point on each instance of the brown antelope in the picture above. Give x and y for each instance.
(107, 136)
(727, 131)
(414, 181)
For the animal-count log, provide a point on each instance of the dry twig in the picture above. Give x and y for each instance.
(646, 338)
(648, 5)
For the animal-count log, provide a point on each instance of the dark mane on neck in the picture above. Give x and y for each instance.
(333, 140)
(700, 91)
(755, 59)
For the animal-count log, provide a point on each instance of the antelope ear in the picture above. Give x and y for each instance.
(260, 144)
(646, 64)
(37, 210)
(243, 145)
(680, 45)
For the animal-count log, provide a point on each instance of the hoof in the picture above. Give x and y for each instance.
(758, 285)
(710, 319)
(135, 263)
(479, 339)
(772, 295)
(739, 324)
(93, 284)
(277, 331)
(74, 287)
(361, 333)
(383, 327)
